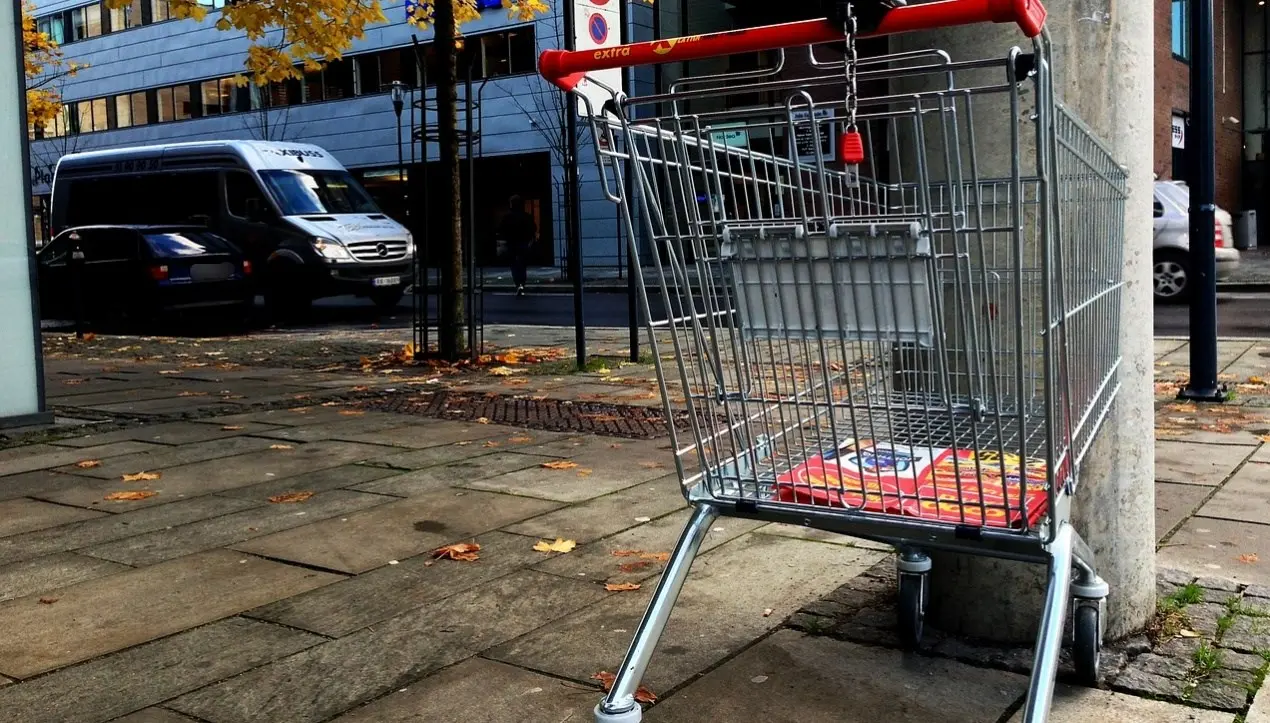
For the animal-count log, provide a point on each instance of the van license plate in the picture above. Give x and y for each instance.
(388, 281)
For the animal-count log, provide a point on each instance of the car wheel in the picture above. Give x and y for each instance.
(387, 300)
(284, 294)
(1172, 275)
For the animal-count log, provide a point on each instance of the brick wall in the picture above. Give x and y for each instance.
(1172, 94)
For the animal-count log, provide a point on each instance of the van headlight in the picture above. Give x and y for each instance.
(410, 244)
(329, 249)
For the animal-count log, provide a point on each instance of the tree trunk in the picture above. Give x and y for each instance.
(448, 196)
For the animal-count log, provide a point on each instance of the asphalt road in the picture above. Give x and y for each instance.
(1237, 315)
(541, 309)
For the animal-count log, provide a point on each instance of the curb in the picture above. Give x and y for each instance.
(1248, 287)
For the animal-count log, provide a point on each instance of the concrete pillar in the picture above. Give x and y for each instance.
(1103, 63)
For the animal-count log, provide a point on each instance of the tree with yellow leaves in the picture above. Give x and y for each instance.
(43, 67)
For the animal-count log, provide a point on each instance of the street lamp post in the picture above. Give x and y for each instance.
(398, 93)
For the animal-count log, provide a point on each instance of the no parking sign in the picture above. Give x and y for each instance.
(597, 25)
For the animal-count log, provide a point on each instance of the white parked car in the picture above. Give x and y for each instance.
(1172, 263)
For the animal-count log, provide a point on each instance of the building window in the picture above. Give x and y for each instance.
(368, 82)
(181, 101)
(92, 21)
(313, 87)
(158, 11)
(101, 121)
(54, 26)
(77, 24)
(167, 111)
(140, 114)
(216, 97)
(337, 79)
(123, 111)
(524, 51)
(1182, 30)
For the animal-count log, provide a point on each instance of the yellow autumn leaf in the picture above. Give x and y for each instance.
(142, 476)
(621, 586)
(462, 551)
(131, 495)
(560, 545)
(279, 446)
(290, 497)
(88, 463)
(559, 464)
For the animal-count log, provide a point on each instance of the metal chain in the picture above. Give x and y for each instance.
(850, 28)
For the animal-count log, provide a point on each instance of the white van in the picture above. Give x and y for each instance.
(297, 214)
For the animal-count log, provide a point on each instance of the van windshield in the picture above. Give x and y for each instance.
(300, 192)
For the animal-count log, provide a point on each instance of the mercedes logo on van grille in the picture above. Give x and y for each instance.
(381, 249)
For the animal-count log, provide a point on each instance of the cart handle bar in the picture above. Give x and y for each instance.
(566, 68)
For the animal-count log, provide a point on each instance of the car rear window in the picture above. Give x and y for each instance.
(177, 244)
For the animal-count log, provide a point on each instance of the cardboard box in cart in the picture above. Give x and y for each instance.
(925, 482)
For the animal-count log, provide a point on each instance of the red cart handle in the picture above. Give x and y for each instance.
(566, 68)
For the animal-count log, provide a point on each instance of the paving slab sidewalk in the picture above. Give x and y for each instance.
(208, 601)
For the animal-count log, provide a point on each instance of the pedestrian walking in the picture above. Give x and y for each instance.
(519, 231)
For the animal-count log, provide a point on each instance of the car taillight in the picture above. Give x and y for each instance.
(247, 268)
(159, 273)
(1218, 239)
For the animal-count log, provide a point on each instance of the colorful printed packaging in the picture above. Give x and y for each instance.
(930, 483)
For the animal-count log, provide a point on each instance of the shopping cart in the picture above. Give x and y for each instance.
(893, 291)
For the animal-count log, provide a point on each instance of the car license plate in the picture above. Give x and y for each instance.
(388, 281)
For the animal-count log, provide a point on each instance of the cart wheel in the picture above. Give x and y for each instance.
(911, 609)
(1086, 644)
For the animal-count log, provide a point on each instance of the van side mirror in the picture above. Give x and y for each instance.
(1159, 209)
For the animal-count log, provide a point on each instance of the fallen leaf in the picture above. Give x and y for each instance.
(505, 371)
(559, 464)
(48, 600)
(1256, 380)
(231, 428)
(462, 444)
(490, 443)
(301, 410)
(279, 446)
(352, 413)
(332, 404)
(482, 420)
(633, 566)
(767, 612)
(142, 476)
(626, 553)
(73, 382)
(560, 545)
(462, 551)
(520, 440)
(584, 472)
(361, 388)
(130, 495)
(658, 556)
(642, 694)
(651, 465)
(290, 497)
(88, 463)
(1249, 558)
(1185, 633)
(89, 336)
(621, 586)
(169, 371)
(192, 394)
